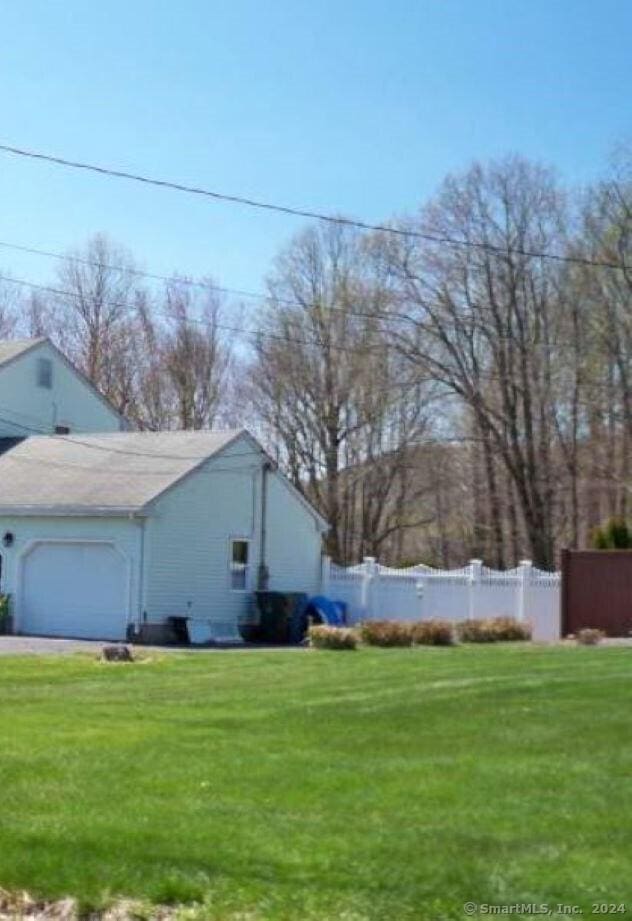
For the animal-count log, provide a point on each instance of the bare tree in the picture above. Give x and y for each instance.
(38, 315)
(330, 390)
(155, 406)
(607, 237)
(435, 400)
(11, 308)
(483, 322)
(93, 320)
(195, 353)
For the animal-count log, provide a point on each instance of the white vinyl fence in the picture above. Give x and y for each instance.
(375, 592)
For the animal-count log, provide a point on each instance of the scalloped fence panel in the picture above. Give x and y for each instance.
(375, 592)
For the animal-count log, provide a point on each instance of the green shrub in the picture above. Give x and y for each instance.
(5, 606)
(589, 636)
(386, 633)
(492, 630)
(323, 637)
(433, 633)
(615, 534)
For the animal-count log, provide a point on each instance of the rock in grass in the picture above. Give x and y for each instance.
(116, 654)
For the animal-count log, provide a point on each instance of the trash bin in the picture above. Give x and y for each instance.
(280, 617)
(179, 627)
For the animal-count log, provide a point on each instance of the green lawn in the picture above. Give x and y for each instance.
(378, 784)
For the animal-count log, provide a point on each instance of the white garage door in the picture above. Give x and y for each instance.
(74, 589)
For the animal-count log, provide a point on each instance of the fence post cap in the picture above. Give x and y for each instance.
(476, 574)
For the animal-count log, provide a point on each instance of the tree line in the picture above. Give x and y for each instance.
(437, 400)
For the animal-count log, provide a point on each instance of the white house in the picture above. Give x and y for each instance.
(41, 391)
(99, 532)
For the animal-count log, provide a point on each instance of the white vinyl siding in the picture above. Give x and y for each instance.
(28, 407)
(188, 540)
(184, 548)
(294, 542)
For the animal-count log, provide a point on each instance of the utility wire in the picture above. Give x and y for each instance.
(110, 449)
(30, 431)
(306, 213)
(451, 442)
(190, 282)
(256, 334)
(210, 286)
(410, 386)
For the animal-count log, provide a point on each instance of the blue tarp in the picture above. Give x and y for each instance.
(333, 613)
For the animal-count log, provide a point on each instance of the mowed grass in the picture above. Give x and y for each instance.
(378, 784)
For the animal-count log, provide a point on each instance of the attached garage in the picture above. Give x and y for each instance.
(74, 588)
(103, 534)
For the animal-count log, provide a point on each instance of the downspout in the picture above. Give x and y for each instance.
(263, 574)
(141, 615)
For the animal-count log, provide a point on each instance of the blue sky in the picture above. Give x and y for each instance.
(357, 107)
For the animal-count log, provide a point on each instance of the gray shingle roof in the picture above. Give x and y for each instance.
(11, 348)
(111, 473)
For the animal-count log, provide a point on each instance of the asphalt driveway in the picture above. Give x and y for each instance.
(46, 646)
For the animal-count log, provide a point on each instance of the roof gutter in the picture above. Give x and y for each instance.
(74, 511)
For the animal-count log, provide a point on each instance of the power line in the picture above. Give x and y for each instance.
(145, 472)
(110, 449)
(240, 292)
(256, 334)
(306, 213)
(190, 282)
(259, 295)
(59, 292)
(209, 286)
(481, 376)
(449, 442)
(95, 263)
(387, 317)
(70, 439)
(381, 350)
(414, 444)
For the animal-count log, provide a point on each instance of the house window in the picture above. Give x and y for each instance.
(44, 373)
(239, 564)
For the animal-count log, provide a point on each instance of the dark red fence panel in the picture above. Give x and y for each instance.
(597, 591)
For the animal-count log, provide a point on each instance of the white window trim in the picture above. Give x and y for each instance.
(239, 567)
